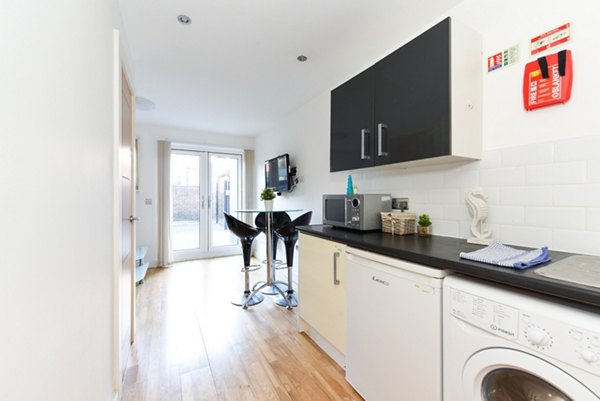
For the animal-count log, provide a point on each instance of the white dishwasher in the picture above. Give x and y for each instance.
(393, 328)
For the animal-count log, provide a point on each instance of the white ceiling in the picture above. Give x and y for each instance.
(234, 69)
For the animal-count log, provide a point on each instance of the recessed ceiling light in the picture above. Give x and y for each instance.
(141, 103)
(184, 19)
(302, 58)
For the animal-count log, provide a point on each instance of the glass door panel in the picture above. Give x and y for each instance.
(204, 185)
(185, 187)
(224, 196)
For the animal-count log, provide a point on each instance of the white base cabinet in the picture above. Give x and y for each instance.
(321, 293)
(394, 328)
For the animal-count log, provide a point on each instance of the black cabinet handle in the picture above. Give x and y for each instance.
(365, 151)
(382, 144)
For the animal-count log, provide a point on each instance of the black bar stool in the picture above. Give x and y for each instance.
(289, 236)
(278, 220)
(246, 233)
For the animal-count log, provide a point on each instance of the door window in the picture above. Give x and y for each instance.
(204, 185)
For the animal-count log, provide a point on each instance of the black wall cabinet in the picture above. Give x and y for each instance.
(419, 105)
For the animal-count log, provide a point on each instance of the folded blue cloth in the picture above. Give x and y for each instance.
(502, 255)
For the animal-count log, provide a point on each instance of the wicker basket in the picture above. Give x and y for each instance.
(398, 223)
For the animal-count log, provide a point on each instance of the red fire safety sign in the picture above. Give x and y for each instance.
(548, 80)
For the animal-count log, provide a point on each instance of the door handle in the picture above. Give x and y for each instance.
(364, 133)
(132, 219)
(209, 201)
(335, 277)
(380, 141)
(202, 207)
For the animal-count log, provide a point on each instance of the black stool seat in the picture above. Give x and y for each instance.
(278, 220)
(246, 233)
(289, 235)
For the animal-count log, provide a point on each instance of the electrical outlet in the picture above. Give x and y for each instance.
(400, 203)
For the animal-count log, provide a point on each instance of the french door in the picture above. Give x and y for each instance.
(203, 186)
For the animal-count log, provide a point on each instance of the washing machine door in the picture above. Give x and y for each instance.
(502, 374)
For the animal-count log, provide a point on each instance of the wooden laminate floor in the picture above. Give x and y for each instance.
(193, 344)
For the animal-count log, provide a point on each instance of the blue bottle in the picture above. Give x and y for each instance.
(349, 186)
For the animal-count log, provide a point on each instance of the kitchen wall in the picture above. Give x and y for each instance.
(148, 137)
(56, 172)
(540, 169)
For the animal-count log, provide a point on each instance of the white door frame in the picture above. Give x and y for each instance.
(120, 67)
(206, 249)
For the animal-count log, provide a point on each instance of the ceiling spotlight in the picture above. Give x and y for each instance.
(184, 19)
(141, 103)
(302, 58)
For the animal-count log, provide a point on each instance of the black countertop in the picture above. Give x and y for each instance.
(442, 253)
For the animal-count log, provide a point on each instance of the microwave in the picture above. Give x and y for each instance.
(358, 212)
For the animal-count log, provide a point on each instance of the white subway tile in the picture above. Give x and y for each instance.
(416, 196)
(526, 236)
(510, 215)
(489, 159)
(462, 177)
(593, 219)
(558, 173)
(427, 180)
(556, 217)
(434, 211)
(465, 230)
(577, 241)
(584, 148)
(444, 196)
(445, 228)
(502, 176)
(528, 154)
(456, 212)
(526, 196)
(593, 171)
(492, 193)
(577, 195)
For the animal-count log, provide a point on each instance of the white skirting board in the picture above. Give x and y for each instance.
(325, 345)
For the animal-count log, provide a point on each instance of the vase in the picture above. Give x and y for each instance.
(424, 231)
(268, 205)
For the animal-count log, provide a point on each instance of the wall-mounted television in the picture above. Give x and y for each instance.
(277, 174)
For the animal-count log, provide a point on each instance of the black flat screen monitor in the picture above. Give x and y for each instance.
(277, 173)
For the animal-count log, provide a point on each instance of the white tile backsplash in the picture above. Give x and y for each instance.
(593, 170)
(577, 195)
(503, 176)
(529, 154)
(577, 241)
(556, 217)
(506, 215)
(526, 195)
(584, 148)
(526, 236)
(542, 194)
(558, 173)
(593, 219)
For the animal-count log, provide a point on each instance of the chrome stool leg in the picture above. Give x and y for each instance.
(289, 300)
(248, 298)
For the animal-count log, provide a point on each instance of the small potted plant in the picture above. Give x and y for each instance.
(267, 195)
(424, 225)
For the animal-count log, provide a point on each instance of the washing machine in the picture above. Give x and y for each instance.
(503, 344)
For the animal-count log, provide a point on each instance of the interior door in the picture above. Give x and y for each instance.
(127, 279)
(204, 185)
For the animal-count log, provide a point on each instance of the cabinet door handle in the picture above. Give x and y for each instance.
(381, 142)
(364, 134)
(335, 277)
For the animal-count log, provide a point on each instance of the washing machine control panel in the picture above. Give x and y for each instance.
(556, 331)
